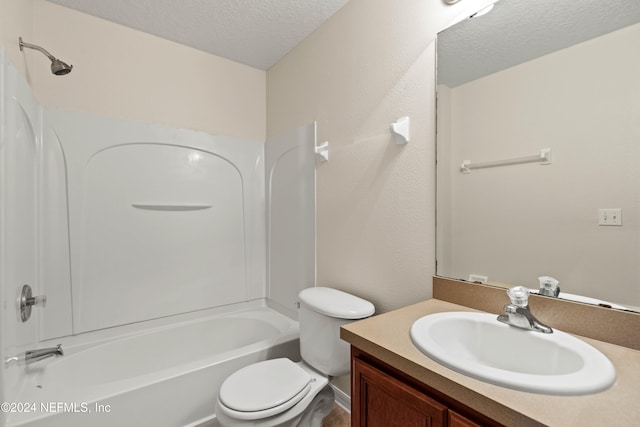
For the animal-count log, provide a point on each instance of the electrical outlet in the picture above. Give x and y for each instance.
(609, 216)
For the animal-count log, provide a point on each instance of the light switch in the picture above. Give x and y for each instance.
(610, 216)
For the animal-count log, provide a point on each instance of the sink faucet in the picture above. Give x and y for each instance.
(518, 313)
(32, 356)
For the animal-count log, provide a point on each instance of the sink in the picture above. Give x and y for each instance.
(477, 345)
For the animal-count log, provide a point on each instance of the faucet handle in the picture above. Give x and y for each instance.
(39, 301)
(519, 296)
(549, 286)
(27, 300)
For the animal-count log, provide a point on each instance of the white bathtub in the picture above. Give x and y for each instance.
(168, 376)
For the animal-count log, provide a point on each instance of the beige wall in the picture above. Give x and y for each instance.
(16, 20)
(124, 73)
(516, 223)
(370, 64)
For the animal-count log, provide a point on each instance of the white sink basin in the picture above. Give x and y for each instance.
(476, 344)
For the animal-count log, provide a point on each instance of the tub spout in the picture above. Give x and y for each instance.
(32, 356)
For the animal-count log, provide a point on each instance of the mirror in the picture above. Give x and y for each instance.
(543, 101)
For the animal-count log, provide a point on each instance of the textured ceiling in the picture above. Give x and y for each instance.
(516, 31)
(253, 32)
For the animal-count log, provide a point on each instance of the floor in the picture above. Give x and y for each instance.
(338, 417)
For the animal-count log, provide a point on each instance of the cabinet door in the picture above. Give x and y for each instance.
(457, 420)
(380, 400)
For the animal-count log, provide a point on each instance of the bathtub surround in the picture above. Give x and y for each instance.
(85, 173)
(18, 213)
(125, 182)
(291, 216)
(121, 222)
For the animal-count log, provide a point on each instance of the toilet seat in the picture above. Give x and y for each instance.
(264, 389)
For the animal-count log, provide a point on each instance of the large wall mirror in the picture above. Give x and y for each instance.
(542, 100)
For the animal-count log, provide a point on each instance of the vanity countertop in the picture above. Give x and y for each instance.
(386, 337)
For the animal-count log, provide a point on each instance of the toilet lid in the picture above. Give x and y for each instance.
(264, 385)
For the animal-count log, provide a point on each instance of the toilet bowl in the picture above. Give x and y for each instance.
(280, 392)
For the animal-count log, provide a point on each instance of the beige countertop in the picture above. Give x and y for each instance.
(386, 337)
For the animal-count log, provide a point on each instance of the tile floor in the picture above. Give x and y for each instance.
(338, 417)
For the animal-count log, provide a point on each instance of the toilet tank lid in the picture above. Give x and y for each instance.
(335, 303)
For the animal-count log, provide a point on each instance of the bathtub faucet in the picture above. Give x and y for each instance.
(32, 356)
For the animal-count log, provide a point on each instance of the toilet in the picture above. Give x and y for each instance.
(280, 392)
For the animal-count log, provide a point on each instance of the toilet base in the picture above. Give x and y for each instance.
(319, 408)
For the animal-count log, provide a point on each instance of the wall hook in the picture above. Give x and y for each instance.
(322, 151)
(401, 130)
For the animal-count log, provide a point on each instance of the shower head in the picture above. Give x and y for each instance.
(58, 67)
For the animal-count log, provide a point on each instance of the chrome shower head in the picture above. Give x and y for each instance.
(58, 67)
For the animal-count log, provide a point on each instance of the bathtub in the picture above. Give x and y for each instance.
(166, 375)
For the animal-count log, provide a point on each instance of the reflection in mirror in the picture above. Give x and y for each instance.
(528, 76)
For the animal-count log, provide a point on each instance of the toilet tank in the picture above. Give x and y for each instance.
(322, 312)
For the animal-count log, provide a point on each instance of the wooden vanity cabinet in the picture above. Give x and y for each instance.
(382, 396)
(457, 420)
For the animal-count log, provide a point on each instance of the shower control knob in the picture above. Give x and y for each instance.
(27, 300)
(40, 300)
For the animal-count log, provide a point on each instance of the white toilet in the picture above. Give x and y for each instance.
(280, 392)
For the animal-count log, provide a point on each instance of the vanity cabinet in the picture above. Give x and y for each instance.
(457, 420)
(382, 396)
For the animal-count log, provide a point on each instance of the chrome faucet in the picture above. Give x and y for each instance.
(32, 356)
(518, 313)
